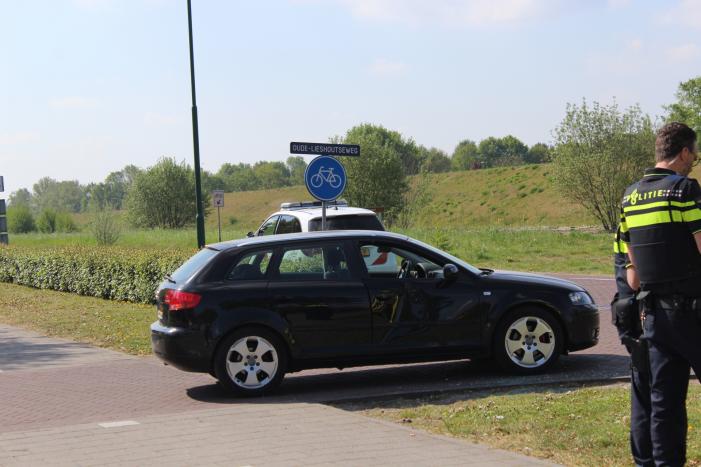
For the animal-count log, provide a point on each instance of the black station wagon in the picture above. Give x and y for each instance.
(248, 311)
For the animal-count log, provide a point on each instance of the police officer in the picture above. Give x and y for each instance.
(661, 223)
(626, 317)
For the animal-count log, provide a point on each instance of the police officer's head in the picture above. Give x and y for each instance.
(676, 147)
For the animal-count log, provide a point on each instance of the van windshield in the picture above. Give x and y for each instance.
(350, 222)
(194, 264)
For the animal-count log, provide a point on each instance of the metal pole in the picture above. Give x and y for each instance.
(323, 215)
(219, 220)
(195, 139)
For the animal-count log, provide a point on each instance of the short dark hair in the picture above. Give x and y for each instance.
(671, 139)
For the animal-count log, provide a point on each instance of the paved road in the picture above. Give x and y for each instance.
(55, 395)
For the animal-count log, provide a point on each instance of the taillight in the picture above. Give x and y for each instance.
(179, 300)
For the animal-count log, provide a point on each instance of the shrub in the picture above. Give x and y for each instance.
(65, 223)
(110, 273)
(20, 219)
(46, 222)
(105, 227)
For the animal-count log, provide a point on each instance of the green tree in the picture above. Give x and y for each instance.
(164, 196)
(296, 166)
(538, 154)
(599, 151)
(466, 156)
(271, 174)
(687, 109)
(20, 219)
(238, 177)
(406, 149)
(211, 182)
(496, 152)
(21, 197)
(59, 196)
(376, 178)
(434, 160)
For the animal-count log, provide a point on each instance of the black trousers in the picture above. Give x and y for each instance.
(674, 339)
(640, 409)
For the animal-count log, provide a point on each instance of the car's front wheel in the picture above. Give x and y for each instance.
(251, 361)
(528, 340)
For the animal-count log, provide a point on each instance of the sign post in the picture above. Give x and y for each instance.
(325, 177)
(218, 202)
(4, 237)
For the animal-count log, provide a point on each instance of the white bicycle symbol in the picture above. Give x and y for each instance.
(325, 176)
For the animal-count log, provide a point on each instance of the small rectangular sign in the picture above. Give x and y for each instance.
(218, 198)
(325, 149)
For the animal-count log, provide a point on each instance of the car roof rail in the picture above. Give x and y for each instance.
(311, 204)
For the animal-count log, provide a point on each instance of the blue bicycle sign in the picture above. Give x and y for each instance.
(325, 178)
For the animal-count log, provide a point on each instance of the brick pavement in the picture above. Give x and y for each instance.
(56, 392)
(249, 434)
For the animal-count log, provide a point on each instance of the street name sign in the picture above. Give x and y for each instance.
(325, 149)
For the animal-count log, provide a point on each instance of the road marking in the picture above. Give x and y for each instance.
(118, 424)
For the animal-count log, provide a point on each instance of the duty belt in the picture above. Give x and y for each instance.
(677, 302)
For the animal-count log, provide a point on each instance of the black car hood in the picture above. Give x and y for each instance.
(515, 277)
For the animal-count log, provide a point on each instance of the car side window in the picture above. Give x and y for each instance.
(288, 224)
(268, 228)
(251, 266)
(388, 261)
(327, 262)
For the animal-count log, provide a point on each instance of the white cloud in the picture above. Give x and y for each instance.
(73, 102)
(384, 68)
(447, 12)
(683, 53)
(18, 137)
(686, 13)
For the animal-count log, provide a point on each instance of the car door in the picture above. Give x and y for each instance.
(314, 288)
(412, 306)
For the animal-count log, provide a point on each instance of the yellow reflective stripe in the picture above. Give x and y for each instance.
(623, 226)
(658, 204)
(692, 215)
(652, 218)
(619, 245)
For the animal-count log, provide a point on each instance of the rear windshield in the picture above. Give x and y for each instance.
(350, 222)
(192, 265)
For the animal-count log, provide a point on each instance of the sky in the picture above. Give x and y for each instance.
(89, 86)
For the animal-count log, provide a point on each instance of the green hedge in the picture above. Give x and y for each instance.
(112, 273)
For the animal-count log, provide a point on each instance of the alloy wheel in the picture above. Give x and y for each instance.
(529, 342)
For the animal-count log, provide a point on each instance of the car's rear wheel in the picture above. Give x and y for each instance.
(528, 340)
(251, 361)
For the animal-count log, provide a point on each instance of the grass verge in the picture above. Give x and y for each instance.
(115, 325)
(572, 426)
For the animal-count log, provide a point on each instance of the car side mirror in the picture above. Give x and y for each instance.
(450, 272)
(250, 234)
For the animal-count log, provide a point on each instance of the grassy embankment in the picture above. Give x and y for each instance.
(503, 217)
(572, 426)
